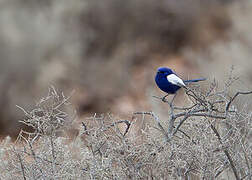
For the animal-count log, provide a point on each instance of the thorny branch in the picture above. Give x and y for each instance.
(162, 129)
(199, 122)
(21, 164)
(202, 105)
(233, 98)
(226, 152)
(46, 119)
(126, 122)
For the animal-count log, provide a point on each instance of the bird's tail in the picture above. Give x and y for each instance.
(194, 80)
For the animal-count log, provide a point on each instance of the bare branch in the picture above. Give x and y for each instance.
(233, 98)
(158, 122)
(85, 128)
(226, 153)
(125, 122)
(22, 166)
(246, 158)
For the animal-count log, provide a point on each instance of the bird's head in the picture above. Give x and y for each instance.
(164, 72)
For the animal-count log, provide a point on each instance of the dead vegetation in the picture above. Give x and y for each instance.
(209, 139)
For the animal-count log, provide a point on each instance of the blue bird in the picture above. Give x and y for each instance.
(169, 82)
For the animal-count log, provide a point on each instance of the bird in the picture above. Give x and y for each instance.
(168, 81)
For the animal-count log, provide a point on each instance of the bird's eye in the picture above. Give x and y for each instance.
(161, 72)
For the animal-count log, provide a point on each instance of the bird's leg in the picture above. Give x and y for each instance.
(171, 106)
(173, 99)
(163, 98)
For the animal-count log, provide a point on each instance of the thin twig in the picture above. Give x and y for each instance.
(53, 154)
(226, 153)
(42, 159)
(233, 98)
(125, 122)
(22, 166)
(246, 159)
(186, 136)
(85, 128)
(222, 170)
(155, 117)
(249, 175)
(180, 124)
(63, 101)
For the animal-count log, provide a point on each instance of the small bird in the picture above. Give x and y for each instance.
(169, 82)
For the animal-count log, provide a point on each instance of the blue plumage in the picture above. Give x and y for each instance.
(169, 82)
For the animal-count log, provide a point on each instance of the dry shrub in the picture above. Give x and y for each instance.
(207, 140)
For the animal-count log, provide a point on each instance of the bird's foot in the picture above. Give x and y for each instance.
(163, 98)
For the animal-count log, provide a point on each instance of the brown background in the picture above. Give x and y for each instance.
(108, 51)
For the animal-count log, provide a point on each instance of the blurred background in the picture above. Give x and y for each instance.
(108, 51)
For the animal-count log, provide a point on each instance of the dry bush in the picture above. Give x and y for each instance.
(209, 138)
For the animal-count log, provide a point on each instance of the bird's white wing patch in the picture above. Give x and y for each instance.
(172, 78)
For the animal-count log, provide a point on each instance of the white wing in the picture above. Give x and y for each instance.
(172, 78)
